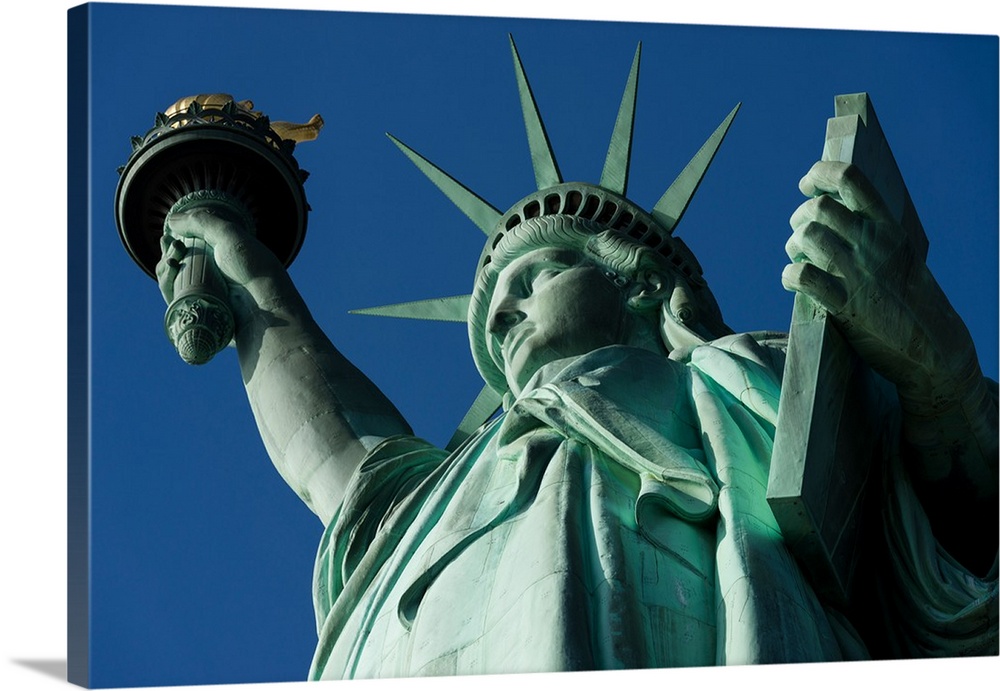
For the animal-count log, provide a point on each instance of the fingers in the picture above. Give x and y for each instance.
(171, 247)
(228, 241)
(172, 253)
(848, 184)
(829, 236)
(816, 244)
(826, 290)
(831, 214)
(204, 222)
(821, 247)
(239, 257)
(197, 223)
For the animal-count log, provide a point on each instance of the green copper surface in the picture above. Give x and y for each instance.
(616, 164)
(543, 160)
(485, 405)
(453, 309)
(479, 211)
(671, 206)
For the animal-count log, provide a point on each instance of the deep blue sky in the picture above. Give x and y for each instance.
(202, 557)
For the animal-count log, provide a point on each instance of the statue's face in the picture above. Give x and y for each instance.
(550, 304)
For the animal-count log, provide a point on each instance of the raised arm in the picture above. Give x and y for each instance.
(318, 415)
(850, 257)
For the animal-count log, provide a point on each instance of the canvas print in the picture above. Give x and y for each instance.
(435, 345)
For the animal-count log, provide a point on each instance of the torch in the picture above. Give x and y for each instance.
(211, 151)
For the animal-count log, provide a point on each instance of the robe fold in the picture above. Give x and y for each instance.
(613, 517)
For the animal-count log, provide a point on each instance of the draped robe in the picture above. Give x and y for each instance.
(614, 516)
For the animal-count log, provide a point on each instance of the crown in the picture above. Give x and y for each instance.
(604, 205)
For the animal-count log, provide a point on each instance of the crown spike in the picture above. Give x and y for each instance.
(451, 309)
(614, 177)
(479, 211)
(542, 159)
(674, 202)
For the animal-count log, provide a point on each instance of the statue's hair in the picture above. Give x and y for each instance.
(545, 231)
(607, 248)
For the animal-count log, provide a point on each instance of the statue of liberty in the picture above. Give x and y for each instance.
(614, 514)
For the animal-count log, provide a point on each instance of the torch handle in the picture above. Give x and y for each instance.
(199, 321)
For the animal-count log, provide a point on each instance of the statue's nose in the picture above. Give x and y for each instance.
(503, 319)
